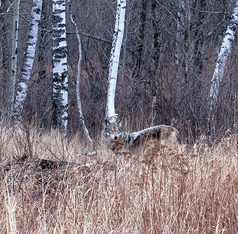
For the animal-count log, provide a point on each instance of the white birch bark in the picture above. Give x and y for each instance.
(221, 62)
(114, 59)
(78, 83)
(12, 81)
(60, 72)
(29, 57)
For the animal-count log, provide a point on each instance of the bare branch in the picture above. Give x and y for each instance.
(91, 36)
(8, 9)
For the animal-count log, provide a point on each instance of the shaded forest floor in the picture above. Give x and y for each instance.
(46, 187)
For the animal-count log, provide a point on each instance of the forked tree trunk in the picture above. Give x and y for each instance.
(60, 72)
(29, 58)
(114, 59)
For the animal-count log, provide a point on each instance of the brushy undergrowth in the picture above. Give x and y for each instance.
(165, 190)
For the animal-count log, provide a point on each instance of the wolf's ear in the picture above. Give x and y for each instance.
(119, 122)
(107, 122)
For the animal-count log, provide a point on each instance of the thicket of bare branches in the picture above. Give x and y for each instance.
(155, 86)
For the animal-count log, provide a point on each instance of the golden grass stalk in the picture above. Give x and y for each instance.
(166, 190)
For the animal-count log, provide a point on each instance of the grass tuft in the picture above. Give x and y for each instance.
(165, 190)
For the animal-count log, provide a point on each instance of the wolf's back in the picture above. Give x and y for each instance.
(164, 134)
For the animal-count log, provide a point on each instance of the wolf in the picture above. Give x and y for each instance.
(119, 140)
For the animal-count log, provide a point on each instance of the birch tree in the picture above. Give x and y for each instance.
(60, 73)
(13, 75)
(29, 57)
(114, 59)
(78, 82)
(221, 64)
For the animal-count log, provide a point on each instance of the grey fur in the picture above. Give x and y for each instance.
(120, 140)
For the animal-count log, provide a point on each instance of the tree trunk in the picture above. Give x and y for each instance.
(155, 79)
(187, 41)
(29, 58)
(199, 13)
(137, 55)
(220, 67)
(5, 55)
(42, 40)
(179, 48)
(12, 81)
(78, 85)
(114, 59)
(60, 72)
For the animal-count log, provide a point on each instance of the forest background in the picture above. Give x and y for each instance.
(165, 69)
(167, 64)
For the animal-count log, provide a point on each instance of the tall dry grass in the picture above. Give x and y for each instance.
(168, 190)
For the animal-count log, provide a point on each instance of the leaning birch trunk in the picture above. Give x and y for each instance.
(12, 81)
(78, 86)
(114, 59)
(60, 72)
(220, 66)
(29, 57)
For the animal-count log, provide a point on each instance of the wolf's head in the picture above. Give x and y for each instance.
(113, 131)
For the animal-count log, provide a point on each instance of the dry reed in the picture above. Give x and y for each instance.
(166, 190)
